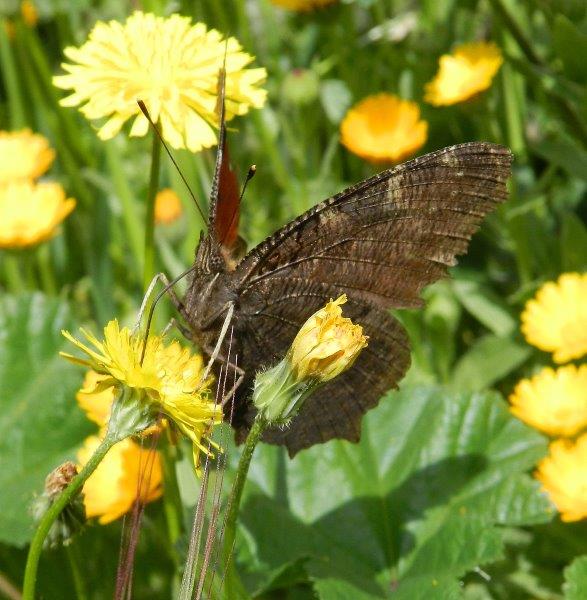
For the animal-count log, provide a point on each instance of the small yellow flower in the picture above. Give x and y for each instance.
(463, 74)
(555, 320)
(30, 214)
(29, 13)
(23, 155)
(302, 5)
(327, 344)
(168, 206)
(384, 128)
(553, 401)
(563, 474)
(169, 64)
(168, 380)
(111, 490)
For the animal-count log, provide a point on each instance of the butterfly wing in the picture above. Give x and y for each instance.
(380, 242)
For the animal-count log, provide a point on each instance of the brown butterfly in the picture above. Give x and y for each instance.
(380, 241)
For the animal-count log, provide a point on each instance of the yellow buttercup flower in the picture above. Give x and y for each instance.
(466, 72)
(553, 401)
(111, 490)
(169, 64)
(23, 155)
(302, 5)
(555, 320)
(384, 128)
(168, 206)
(563, 474)
(167, 381)
(30, 213)
(327, 344)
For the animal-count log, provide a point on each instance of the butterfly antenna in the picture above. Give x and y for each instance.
(154, 305)
(156, 129)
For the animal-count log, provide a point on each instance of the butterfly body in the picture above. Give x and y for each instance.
(380, 242)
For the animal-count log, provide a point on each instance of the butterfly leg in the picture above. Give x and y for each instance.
(168, 289)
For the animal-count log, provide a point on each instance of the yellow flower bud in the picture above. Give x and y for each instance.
(327, 344)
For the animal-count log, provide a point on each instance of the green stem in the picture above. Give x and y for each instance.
(149, 265)
(14, 279)
(15, 104)
(235, 499)
(46, 269)
(32, 563)
(81, 592)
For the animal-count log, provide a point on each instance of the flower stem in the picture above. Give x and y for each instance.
(235, 497)
(149, 265)
(32, 563)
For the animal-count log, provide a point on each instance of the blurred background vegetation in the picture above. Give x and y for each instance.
(467, 338)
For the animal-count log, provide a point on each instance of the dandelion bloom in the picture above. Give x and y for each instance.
(563, 474)
(111, 490)
(168, 206)
(466, 72)
(23, 155)
(327, 344)
(555, 320)
(384, 128)
(302, 5)
(168, 380)
(169, 64)
(30, 213)
(553, 401)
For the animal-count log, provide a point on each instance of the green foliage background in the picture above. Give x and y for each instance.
(436, 501)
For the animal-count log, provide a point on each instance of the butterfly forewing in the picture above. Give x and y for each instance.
(380, 242)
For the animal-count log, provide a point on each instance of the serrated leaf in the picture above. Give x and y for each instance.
(40, 423)
(488, 360)
(420, 499)
(575, 586)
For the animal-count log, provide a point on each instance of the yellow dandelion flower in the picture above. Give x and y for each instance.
(302, 5)
(111, 490)
(168, 206)
(169, 64)
(29, 13)
(327, 344)
(555, 320)
(30, 214)
(168, 380)
(466, 72)
(553, 401)
(563, 474)
(23, 155)
(96, 402)
(384, 128)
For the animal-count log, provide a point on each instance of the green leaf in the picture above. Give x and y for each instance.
(40, 422)
(561, 150)
(488, 360)
(575, 586)
(418, 503)
(486, 306)
(570, 44)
